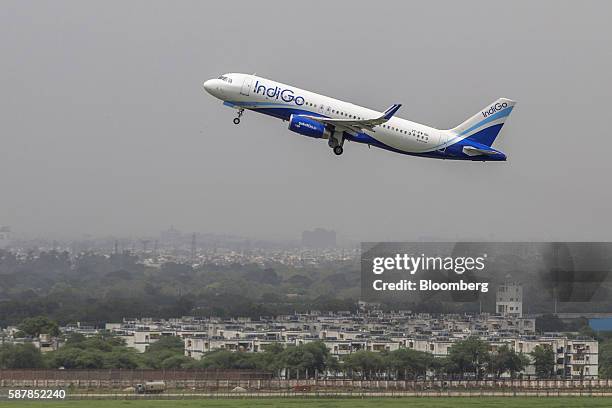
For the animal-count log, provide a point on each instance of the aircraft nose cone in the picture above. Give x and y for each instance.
(209, 86)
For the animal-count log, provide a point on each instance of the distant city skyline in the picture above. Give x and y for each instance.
(297, 238)
(173, 236)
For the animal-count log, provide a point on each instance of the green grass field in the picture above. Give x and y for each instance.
(458, 402)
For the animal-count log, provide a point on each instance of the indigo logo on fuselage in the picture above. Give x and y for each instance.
(286, 95)
(495, 108)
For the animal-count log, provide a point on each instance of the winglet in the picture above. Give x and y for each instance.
(391, 111)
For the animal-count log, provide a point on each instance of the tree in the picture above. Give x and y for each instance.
(270, 359)
(123, 358)
(34, 326)
(65, 357)
(469, 356)
(75, 338)
(443, 366)
(506, 360)
(175, 362)
(366, 363)
(306, 358)
(100, 351)
(408, 363)
(163, 349)
(224, 359)
(90, 359)
(605, 359)
(587, 331)
(543, 360)
(167, 343)
(20, 356)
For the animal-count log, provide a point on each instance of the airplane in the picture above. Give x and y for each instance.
(321, 117)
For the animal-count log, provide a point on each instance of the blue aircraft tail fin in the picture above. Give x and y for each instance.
(484, 126)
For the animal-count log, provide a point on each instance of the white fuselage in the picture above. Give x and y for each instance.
(244, 91)
(397, 133)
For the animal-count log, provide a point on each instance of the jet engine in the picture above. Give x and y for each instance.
(308, 127)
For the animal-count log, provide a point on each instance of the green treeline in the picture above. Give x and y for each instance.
(469, 358)
(98, 288)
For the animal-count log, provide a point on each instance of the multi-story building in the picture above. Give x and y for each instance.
(509, 299)
(345, 333)
(573, 357)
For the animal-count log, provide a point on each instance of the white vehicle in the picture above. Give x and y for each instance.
(150, 387)
(314, 115)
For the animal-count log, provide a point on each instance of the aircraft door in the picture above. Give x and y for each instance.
(246, 85)
(442, 138)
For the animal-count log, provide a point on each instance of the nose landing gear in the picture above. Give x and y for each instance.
(237, 119)
(338, 150)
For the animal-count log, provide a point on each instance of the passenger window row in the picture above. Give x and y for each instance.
(421, 136)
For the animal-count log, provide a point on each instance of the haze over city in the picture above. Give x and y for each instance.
(106, 129)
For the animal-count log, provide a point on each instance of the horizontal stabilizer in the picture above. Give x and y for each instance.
(474, 151)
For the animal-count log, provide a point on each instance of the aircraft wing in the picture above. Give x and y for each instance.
(357, 125)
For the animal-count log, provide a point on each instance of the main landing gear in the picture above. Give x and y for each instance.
(336, 140)
(237, 119)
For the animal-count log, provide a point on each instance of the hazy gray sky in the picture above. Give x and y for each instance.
(105, 127)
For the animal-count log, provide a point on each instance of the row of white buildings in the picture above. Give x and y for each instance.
(343, 334)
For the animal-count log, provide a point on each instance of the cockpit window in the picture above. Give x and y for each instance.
(226, 79)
